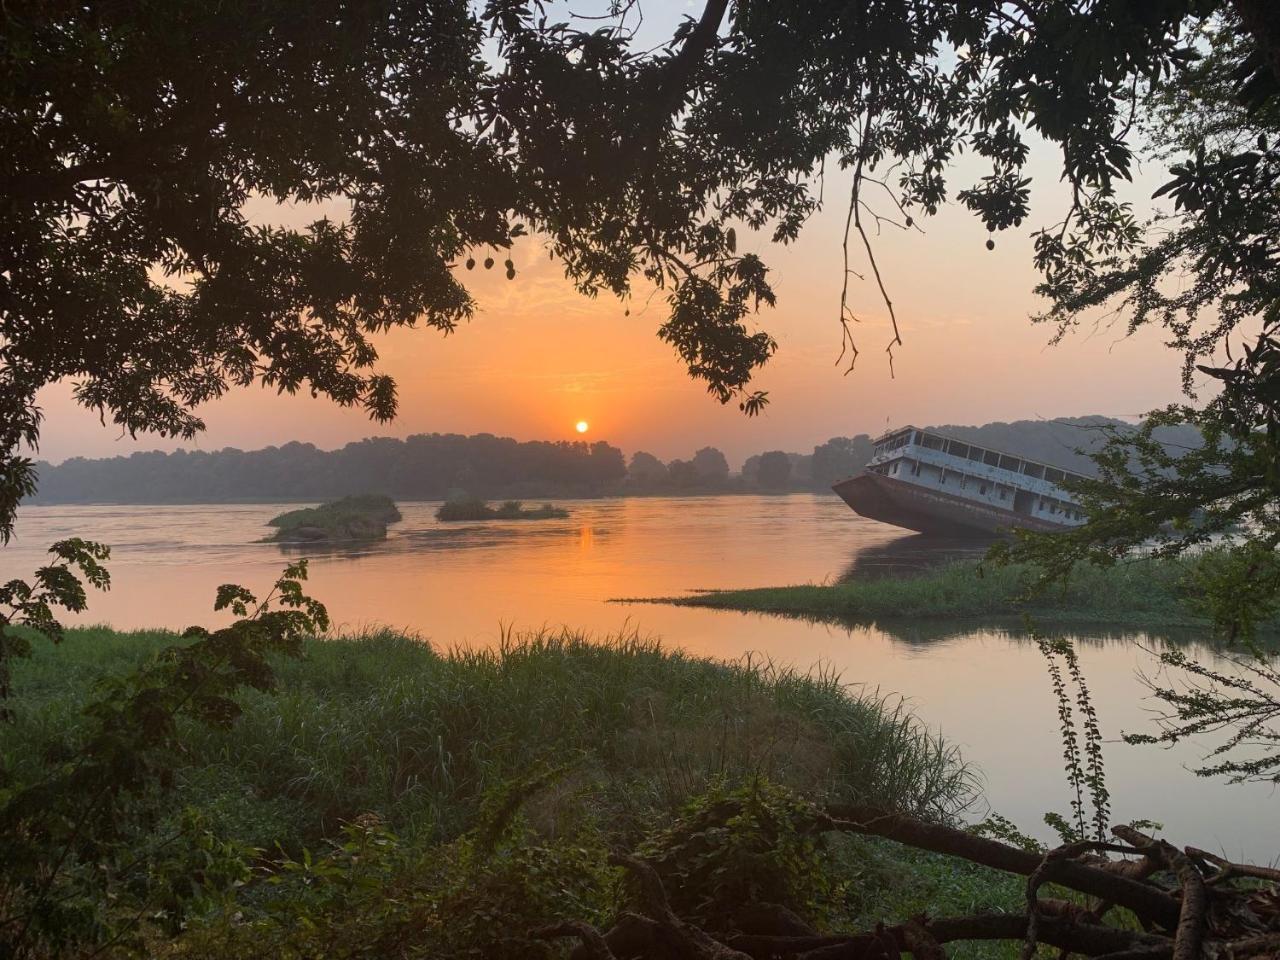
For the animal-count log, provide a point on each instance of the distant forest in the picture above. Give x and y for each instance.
(435, 466)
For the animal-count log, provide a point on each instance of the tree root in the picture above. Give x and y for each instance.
(1204, 917)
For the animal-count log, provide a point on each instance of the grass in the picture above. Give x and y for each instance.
(362, 517)
(473, 508)
(423, 741)
(1147, 593)
(385, 723)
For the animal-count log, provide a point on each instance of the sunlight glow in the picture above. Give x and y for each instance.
(581, 426)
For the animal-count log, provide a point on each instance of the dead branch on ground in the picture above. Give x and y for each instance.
(1191, 904)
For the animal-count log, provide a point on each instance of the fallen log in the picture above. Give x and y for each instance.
(1143, 899)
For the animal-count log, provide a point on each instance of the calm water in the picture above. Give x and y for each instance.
(985, 689)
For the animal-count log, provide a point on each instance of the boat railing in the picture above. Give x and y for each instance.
(977, 469)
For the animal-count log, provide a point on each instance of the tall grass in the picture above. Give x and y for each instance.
(1150, 593)
(384, 723)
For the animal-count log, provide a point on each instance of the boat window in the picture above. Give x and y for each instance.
(932, 442)
(1034, 470)
(1010, 463)
(983, 489)
(1053, 506)
(894, 441)
(1054, 476)
(991, 458)
(1042, 504)
(977, 453)
(915, 468)
(1004, 494)
(957, 449)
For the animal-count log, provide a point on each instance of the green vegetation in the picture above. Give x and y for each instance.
(351, 518)
(483, 788)
(385, 723)
(473, 508)
(1145, 593)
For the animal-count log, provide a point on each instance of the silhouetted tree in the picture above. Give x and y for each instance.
(774, 471)
(132, 136)
(840, 457)
(711, 466)
(646, 469)
(607, 465)
(682, 474)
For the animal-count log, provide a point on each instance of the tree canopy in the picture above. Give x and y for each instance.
(132, 136)
(1205, 272)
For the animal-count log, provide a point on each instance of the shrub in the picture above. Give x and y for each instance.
(351, 518)
(473, 508)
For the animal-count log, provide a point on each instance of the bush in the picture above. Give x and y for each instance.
(351, 518)
(473, 508)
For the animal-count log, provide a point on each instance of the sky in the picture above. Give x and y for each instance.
(538, 357)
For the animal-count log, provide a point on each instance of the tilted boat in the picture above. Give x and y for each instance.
(925, 481)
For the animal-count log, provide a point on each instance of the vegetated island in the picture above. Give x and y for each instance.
(351, 518)
(473, 508)
(1149, 593)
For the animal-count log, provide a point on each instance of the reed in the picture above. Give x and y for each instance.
(386, 723)
(1148, 593)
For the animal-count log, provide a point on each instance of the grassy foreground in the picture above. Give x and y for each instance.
(384, 723)
(472, 795)
(1146, 593)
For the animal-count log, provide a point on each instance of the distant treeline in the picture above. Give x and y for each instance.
(434, 466)
(422, 467)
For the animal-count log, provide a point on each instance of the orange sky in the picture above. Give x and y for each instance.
(538, 357)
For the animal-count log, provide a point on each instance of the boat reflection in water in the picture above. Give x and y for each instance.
(911, 555)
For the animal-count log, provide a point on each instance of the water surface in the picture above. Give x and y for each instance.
(463, 583)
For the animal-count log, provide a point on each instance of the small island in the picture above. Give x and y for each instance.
(473, 508)
(351, 518)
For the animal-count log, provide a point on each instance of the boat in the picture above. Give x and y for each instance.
(925, 481)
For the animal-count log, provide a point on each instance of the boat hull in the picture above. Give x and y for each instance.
(903, 504)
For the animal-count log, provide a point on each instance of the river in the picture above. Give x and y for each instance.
(985, 689)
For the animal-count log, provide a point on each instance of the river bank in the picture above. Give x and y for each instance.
(1150, 594)
(587, 745)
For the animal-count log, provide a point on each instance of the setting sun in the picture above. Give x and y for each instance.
(581, 426)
